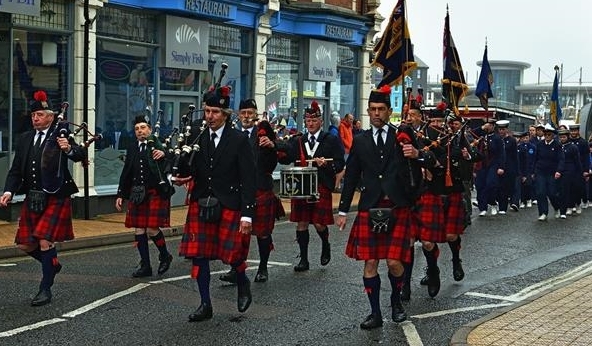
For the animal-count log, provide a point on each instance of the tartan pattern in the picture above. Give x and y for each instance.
(154, 212)
(320, 212)
(265, 210)
(363, 244)
(54, 224)
(430, 217)
(454, 210)
(212, 241)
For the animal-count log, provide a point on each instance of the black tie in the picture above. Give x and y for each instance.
(379, 140)
(38, 141)
(142, 147)
(311, 141)
(247, 133)
(213, 142)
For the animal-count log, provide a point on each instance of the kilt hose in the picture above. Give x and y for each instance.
(320, 212)
(54, 224)
(430, 218)
(265, 213)
(153, 212)
(363, 244)
(220, 240)
(454, 212)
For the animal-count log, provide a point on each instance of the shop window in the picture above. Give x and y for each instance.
(281, 89)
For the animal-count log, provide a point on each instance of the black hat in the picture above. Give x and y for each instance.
(248, 103)
(39, 102)
(440, 112)
(141, 119)
(314, 111)
(564, 132)
(382, 95)
(218, 97)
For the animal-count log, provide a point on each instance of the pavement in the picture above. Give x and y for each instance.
(560, 316)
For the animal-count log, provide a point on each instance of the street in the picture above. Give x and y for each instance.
(96, 301)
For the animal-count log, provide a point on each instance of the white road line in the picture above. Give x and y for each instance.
(453, 311)
(105, 300)
(7, 264)
(492, 296)
(31, 327)
(413, 338)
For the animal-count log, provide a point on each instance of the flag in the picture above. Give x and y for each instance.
(555, 108)
(394, 51)
(483, 90)
(454, 87)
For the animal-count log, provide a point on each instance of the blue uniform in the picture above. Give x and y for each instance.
(487, 180)
(508, 179)
(570, 186)
(549, 159)
(526, 153)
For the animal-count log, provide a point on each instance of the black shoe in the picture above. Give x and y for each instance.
(326, 254)
(143, 271)
(398, 314)
(244, 296)
(229, 276)
(406, 292)
(424, 280)
(261, 276)
(371, 322)
(165, 263)
(302, 266)
(43, 297)
(433, 281)
(514, 207)
(457, 270)
(203, 312)
(57, 268)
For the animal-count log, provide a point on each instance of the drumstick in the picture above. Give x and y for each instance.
(329, 159)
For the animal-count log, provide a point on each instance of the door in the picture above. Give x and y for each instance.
(173, 108)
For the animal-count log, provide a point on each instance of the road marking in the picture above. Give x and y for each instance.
(31, 327)
(454, 311)
(413, 338)
(492, 296)
(105, 300)
(7, 264)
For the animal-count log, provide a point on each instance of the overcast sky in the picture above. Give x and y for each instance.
(541, 33)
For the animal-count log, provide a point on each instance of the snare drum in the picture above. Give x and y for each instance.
(299, 183)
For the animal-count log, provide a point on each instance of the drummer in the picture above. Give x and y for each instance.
(322, 150)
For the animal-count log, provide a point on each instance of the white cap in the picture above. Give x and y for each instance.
(502, 123)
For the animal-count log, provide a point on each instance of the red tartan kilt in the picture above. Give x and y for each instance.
(154, 212)
(363, 244)
(54, 224)
(454, 221)
(265, 211)
(430, 215)
(320, 212)
(213, 241)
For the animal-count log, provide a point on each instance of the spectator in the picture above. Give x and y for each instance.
(357, 127)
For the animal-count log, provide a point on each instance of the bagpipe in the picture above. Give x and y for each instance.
(153, 143)
(52, 165)
(188, 143)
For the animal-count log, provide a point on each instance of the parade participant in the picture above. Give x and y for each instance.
(526, 155)
(46, 215)
(261, 137)
(440, 209)
(582, 201)
(144, 184)
(508, 178)
(539, 134)
(489, 170)
(387, 164)
(570, 183)
(326, 153)
(222, 201)
(548, 165)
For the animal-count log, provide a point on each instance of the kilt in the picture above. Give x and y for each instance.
(265, 211)
(363, 244)
(430, 218)
(454, 211)
(54, 224)
(320, 212)
(212, 241)
(154, 212)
